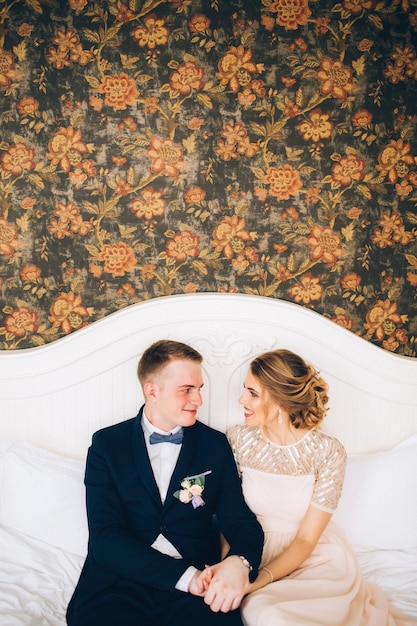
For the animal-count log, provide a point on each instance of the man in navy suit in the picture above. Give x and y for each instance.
(159, 488)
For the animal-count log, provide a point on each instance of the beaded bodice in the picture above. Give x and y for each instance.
(316, 453)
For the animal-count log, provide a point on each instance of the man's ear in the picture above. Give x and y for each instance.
(149, 390)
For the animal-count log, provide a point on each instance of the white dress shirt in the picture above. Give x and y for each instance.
(163, 458)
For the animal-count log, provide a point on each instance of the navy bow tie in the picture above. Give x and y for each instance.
(171, 438)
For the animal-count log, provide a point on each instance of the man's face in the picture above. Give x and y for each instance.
(174, 395)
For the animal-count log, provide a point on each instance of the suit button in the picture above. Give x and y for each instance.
(163, 527)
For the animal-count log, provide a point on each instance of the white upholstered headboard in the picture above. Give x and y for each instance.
(57, 395)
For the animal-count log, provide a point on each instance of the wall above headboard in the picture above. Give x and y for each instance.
(57, 395)
(161, 147)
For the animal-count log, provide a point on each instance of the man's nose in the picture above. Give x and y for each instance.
(197, 398)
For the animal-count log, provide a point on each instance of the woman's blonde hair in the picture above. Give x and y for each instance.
(292, 383)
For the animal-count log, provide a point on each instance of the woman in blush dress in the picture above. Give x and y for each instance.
(292, 476)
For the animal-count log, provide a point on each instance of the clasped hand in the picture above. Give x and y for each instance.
(222, 585)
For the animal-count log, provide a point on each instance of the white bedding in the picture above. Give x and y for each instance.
(36, 580)
(43, 529)
(395, 571)
(43, 534)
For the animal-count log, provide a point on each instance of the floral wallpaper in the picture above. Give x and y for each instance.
(149, 148)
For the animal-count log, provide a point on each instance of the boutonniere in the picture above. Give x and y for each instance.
(191, 489)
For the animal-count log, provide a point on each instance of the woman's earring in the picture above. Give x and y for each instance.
(279, 417)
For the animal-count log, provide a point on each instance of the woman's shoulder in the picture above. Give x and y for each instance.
(239, 431)
(233, 434)
(322, 435)
(233, 430)
(328, 444)
(240, 436)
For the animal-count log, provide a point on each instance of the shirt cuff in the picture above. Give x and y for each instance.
(184, 581)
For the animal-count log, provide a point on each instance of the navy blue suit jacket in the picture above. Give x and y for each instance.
(125, 512)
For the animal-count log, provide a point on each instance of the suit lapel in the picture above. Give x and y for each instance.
(143, 464)
(182, 465)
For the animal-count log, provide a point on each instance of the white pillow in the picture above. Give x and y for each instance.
(42, 495)
(4, 446)
(378, 507)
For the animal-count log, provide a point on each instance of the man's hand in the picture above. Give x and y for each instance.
(228, 584)
(200, 582)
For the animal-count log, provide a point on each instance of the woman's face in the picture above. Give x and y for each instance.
(256, 409)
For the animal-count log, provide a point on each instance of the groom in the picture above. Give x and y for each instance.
(159, 488)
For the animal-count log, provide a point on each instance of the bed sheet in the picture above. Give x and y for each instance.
(395, 571)
(36, 580)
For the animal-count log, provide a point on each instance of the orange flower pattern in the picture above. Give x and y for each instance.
(66, 148)
(283, 181)
(317, 128)
(68, 313)
(182, 246)
(170, 146)
(7, 69)
(187, 77)
(150, 205)
(17, 159)
(21, 322)
(236, 68)
(119, 258)
(9, 241)
(230, 236)
(335, 79)
(152, 33)
(119, 91)
(325, 245)
(290, 14)
(166, 157)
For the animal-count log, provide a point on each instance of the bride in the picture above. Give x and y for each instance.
(292, 477)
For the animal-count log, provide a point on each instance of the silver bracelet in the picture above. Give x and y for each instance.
(246, 562)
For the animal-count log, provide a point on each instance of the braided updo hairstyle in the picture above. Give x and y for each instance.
(293, 384)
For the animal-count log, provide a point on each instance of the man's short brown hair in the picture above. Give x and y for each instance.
(160, 353)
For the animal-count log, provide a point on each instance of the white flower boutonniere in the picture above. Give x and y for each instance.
(192, 488)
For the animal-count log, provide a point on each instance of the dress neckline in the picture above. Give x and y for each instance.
(286, 445)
